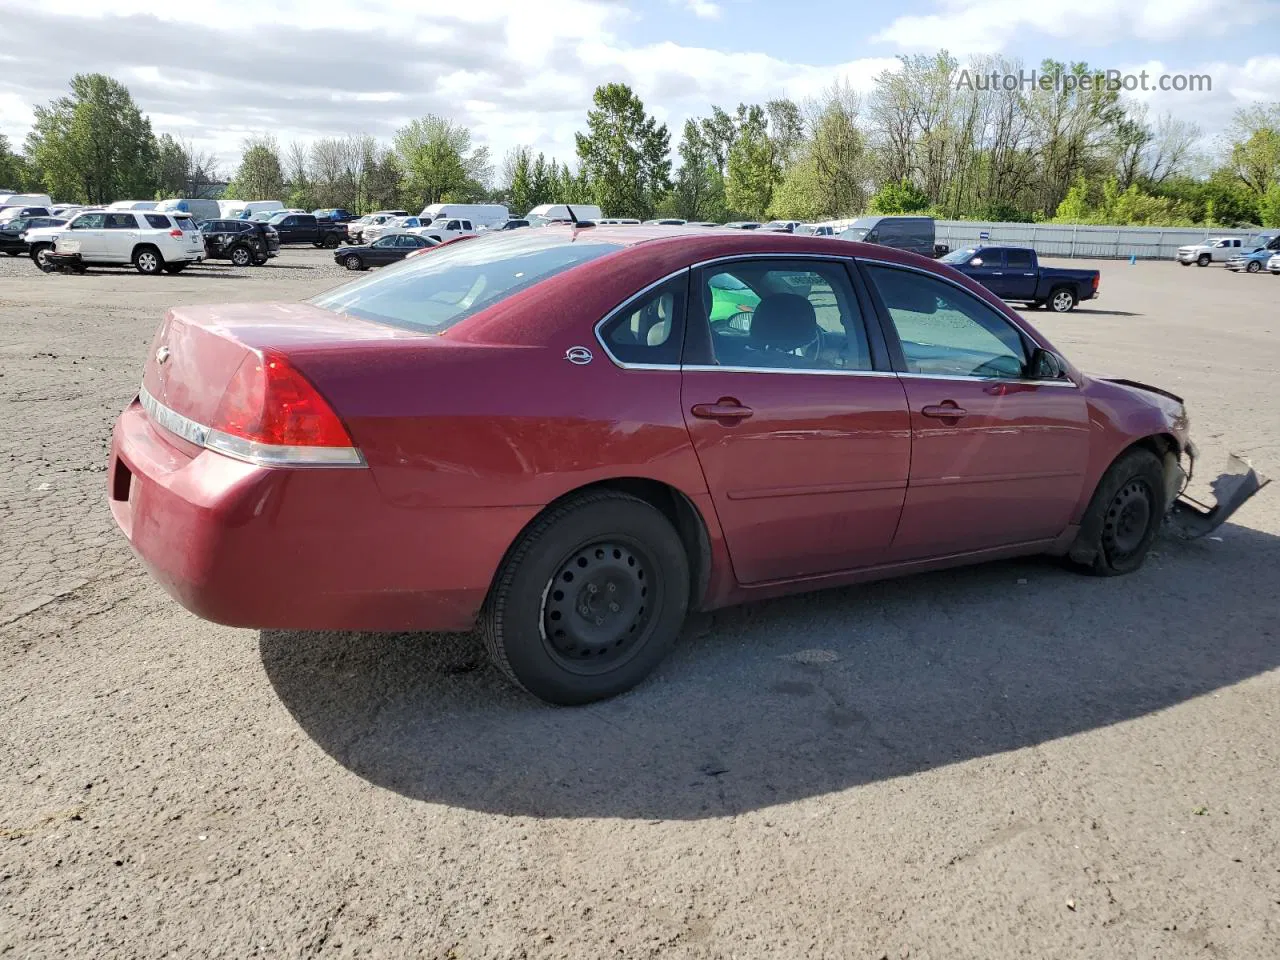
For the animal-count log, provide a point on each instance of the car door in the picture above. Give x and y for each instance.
(120, 237)
(85, 235)
(801, 428)
(987, 267)
(1019, 274)
(384, 250)
(996, 458)
(288, 229)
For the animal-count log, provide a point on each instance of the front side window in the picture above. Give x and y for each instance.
(781, 314)
(431, 294)
(385, 242)
(651, 329)
(90, 221)
(958, 256)
(946, 331)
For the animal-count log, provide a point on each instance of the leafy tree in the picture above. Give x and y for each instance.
(900, 197)
(799, 196)
(439, 160)
(518, 180)
(624, 153)
(786, 130)
(1254, 136)
(181, 169)
(699, 189)
(718, 132)
(95, 145)
(1269, 206)
(260, 175)
(838, 153)
(12, 173)
(753, 166)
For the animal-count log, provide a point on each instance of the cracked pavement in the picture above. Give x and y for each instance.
(1005, 761)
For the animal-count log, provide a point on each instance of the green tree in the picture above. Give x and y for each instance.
(12, 173)
(1254, 136)
(800, 195)
(260, 175)
(181, 169)
(520, 183)
(718, 132)
(439, 160)
(752, 165)
(698, 193)
(95, 145)
(624, 153)
(1269, 205)
(900, 197)
(838, 153)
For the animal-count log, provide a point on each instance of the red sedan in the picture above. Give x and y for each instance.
(572, 438)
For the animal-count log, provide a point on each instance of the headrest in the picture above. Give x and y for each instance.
(783, 321)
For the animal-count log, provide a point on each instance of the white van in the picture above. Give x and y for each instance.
(133, 205)
(560, 211)
(480, 214)
(26, 200)
(199, 209)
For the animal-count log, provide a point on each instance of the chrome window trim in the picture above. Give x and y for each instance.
(250, 451)
(715, 368)
(961, 376)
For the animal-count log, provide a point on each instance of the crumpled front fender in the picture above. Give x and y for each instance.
(1189, 519)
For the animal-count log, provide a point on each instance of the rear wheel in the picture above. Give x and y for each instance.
(353, 262)
(589, 601)
(1203, 260)
(331, 242)
(241, 256)
(147, 261)
(1124, 515)
(1062, 300)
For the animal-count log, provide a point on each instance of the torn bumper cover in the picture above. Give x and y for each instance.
(1189, 519)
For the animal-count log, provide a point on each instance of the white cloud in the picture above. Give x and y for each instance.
(986, 26)
(704, 9)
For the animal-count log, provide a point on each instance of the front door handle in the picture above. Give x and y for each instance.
(946, 410)
(726, 408)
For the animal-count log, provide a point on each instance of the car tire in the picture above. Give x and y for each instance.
(40, 253)
(1123, 516)
(1253, 267)
(13, 253)
(353, 262)
(331, 242)
(148, 261)
(241, 256)
(1062, 300)
(1185, 263)
(1203, 260)
(551, 622)
(173, 269)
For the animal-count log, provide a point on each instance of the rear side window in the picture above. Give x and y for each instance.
(430, 294)
(650, 329)
(186, 224)
(1018, 259)
(157, 222)
(121, 221)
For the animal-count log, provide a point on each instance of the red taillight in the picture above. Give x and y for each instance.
(175, 233)
(269, 402)
(1096, 278)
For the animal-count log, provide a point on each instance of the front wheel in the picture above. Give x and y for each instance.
(1203, 260)
(40, 255)
(589, 601)
(1123, 517)
(1253, 267)
(353, 262)
(173, 269)
(1062, 300)
(1185, 263)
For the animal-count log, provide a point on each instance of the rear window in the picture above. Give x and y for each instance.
(157, 222)
(186, 224)
(433, 292)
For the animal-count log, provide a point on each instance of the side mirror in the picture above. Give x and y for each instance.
(1045, 366)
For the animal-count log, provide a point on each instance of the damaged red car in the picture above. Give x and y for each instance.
(574, 436)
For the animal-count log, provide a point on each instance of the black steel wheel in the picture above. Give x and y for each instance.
(1124, 515)
(589, 599)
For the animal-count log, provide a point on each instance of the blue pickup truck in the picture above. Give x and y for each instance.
(1014, 273)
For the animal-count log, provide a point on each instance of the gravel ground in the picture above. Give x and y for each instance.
(1005, 761)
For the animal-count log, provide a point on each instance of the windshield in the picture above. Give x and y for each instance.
(854, 233)
(430, 294)
(958, 256)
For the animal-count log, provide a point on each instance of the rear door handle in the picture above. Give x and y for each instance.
(947, 410)
(726, 408)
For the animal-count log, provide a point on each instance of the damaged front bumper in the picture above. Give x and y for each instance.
(1188, 518)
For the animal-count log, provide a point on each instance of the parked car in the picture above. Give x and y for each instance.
(1015, 273)
(529, 430)
(356, 228)
(152, 242)
(481, 214)
(666, 222)
(13, 233)
(242, 242)
(444, 229)
(390, 227)
(1219, 249)
(545, 213)
(743, 225)
(19, 212)
(304, 228)
(615, 221)
(515, 223)
(199, 209)
(381, 252)
(247, 209)
(1273, 264)
(1251, 262)
(333, 215)
(916, 234)
(782, 226)
(26, 200)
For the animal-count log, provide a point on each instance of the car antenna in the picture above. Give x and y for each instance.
(573, 218)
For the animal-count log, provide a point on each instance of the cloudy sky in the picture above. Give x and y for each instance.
(522, 71)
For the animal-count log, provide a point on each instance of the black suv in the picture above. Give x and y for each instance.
(12, 232)
(243, 242)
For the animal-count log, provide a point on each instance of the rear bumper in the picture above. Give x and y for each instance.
(303, 549)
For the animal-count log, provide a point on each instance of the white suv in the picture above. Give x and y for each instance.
(152, 242)
(445, 228)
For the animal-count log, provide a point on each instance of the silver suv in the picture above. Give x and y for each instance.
(151, 242)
